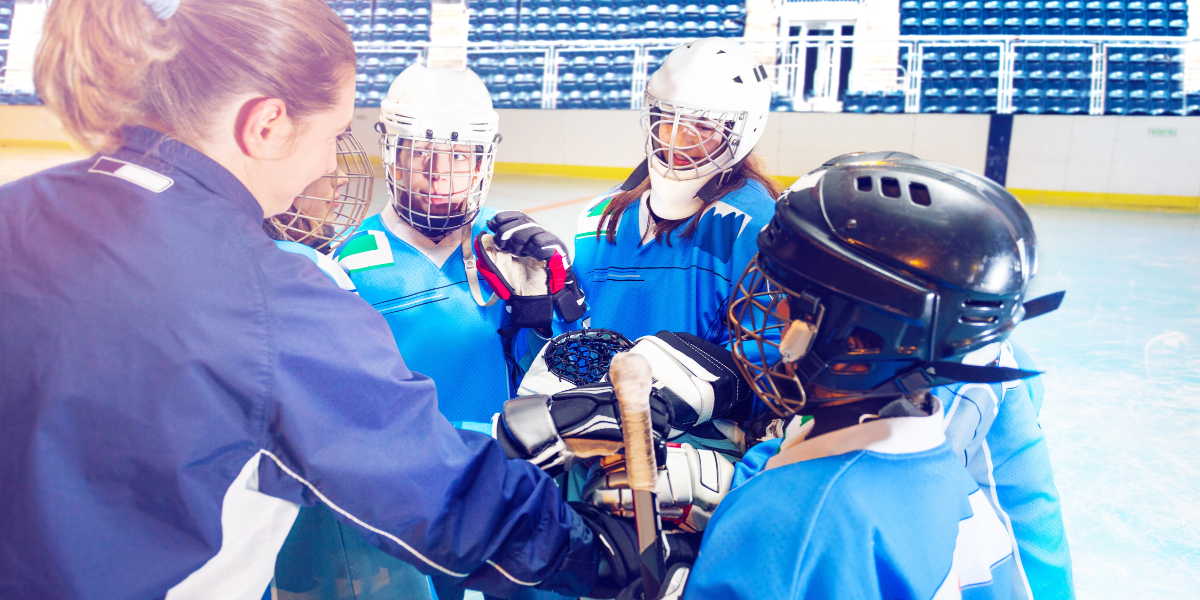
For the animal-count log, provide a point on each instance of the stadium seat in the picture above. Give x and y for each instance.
(952, 100)
(853, 102)
(951, 26)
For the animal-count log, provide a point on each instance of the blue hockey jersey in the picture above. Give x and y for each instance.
(438, 326)
(175, 387)
(679, 284)
(994, 429)
(877, 510)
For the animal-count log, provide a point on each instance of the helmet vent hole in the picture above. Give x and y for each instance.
(864, 341)
(864, 184)
(992, 304)
(890, 187)
(919, 194)
(977, 320)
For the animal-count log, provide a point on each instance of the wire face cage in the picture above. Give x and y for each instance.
(687, 143)
(582, 357)
(437, 185)
(759, 315)
(330, 208)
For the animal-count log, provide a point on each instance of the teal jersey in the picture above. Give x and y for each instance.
(678, 284)
(440, 329)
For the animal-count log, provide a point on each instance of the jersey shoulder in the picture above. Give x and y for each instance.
(589, 218)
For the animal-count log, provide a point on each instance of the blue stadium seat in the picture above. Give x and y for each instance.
(853, 102)
(931, 100)
(1135, 9)
(910, 26)
(972, 8)
(1033, 26)
(1135, 27)
(1012, 26)
(992, 26)
(952, 26)
(952, 100)
(973, 100)
(670, 29)
(931, 26)
(992, 9)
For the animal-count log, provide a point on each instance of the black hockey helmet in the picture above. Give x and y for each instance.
(878, 273)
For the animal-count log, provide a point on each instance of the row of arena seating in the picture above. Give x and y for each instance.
(376, 71)
(386, 21)
(544, 20)
(1035, 17)
(6, 15)
(8, 97)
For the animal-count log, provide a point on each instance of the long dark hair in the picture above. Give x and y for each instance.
(751, 168)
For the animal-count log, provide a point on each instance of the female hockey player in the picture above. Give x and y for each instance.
(882, 276)
(166, 406)
(662, 251)
(416, 262)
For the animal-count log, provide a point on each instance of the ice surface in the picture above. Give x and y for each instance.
(1122, 406)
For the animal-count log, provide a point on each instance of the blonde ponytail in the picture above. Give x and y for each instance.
(107, 64)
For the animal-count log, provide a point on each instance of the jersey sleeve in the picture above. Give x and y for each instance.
(349, 425)
(1027, 496)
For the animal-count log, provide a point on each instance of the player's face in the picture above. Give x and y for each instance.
(694, 140)
(437, 177)
(321, 196)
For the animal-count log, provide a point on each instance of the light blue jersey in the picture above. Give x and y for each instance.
(994, 429)
(878, 510)
(678, 284)
(440, 329)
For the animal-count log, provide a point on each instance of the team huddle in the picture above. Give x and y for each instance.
(836, 407)
(222, 381)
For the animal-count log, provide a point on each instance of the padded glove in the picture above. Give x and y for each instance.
(552, 431)
(617, 542)
(689, 488)
(518, 235)
(699, 379)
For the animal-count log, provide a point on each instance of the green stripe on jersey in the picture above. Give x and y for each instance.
(366, 252)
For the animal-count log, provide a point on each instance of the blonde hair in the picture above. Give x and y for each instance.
(106, 64)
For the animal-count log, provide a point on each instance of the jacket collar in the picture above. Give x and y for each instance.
(148, 148)
(896, 435)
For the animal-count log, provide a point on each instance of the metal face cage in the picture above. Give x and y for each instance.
(330, 208)
(759, 315)
(687, 143)
(437, 185)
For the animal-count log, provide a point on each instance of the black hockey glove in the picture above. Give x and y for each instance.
(617, 542)
(552, 431)
(519, 235)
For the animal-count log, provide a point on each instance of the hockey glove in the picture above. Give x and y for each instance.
(519, 235)
(699, 379)
(552, 431)
(617, 542)
(689, 488)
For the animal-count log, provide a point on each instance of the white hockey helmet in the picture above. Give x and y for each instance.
(438, 136)
(330, 208)
(717, 97)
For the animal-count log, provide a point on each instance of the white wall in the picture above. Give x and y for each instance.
(1116, 155)
(793, 144)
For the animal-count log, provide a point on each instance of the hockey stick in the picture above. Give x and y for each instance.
(631, 379)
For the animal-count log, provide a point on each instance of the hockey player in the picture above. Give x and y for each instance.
(175, 387)
(882, 276)
(417, 263)
(328, 211)
(661, 252)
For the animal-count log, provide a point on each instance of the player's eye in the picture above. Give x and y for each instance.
(459, 156)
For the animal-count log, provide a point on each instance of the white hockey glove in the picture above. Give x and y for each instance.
(689, 488)
(529, 268)
(699, 379)
(552, 431)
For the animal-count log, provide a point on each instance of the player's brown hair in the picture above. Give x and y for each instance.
(105, 64)
(751, 168)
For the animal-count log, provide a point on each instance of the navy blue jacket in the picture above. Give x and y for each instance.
(172, 386)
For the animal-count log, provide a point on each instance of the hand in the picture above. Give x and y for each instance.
(699, 379)
(689, 488)
(520, 236)
(551, 431)
(617, 541)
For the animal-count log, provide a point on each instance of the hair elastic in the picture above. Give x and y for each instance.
(162, 9)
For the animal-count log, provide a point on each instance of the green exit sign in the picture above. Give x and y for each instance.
(1163, 132)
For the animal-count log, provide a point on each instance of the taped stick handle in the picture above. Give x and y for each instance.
(631, 379)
